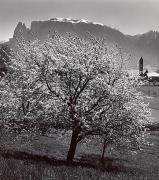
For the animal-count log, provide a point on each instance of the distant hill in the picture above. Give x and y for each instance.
(145, 45)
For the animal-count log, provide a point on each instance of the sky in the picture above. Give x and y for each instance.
(128, 16)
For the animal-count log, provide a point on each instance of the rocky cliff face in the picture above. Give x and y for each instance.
(19, 32)
(41, 29)
(146, 45)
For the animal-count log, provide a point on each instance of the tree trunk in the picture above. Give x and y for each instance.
(103, 152)
(73, 145)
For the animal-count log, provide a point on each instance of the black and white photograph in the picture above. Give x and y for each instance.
(79, 89)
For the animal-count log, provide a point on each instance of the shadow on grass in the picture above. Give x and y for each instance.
(108, 164)
(87, 162)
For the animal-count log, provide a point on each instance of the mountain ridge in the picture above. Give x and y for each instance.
(145, 45)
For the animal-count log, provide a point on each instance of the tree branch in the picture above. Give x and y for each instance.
(81, 90)
(52, 91)
(77, 87)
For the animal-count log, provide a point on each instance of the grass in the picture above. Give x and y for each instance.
(143, 165)
(11, 170)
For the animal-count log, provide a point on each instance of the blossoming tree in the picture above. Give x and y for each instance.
(75, 84)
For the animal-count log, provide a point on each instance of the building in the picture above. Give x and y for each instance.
(152, 77)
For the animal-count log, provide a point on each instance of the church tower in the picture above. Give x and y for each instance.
(141, 66)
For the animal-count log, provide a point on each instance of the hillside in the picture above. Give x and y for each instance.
(146, 45)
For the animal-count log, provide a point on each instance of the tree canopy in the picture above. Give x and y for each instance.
(74, 84)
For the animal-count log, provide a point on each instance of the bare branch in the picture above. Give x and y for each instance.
(81, 89)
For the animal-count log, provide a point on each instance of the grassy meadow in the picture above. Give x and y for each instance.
(141, 166)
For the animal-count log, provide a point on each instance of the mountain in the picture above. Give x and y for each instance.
(41, 29)
(145, 45)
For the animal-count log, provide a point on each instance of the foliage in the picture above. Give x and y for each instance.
(21, 95)
(127, 119)
(5, 54)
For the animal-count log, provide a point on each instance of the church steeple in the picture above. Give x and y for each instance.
(141, 66)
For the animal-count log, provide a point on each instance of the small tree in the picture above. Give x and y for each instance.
(125, 127)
